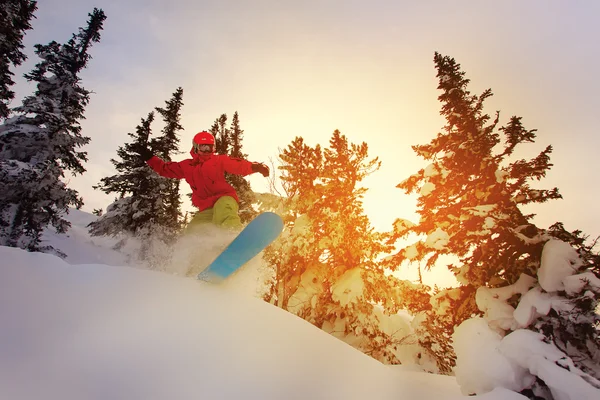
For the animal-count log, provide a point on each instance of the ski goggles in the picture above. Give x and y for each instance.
(203, 148)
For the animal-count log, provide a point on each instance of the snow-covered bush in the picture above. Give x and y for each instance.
(547, 344)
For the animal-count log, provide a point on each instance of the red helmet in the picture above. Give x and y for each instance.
(203, 142)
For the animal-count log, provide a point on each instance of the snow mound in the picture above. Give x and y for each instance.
(105, 332)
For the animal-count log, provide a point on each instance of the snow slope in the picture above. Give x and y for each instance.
(101, 332)
(89, 327)
(80, 247)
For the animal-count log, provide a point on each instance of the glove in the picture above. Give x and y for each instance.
(146, 154)
(262, 168)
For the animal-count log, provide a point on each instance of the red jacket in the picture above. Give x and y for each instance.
(205, 175)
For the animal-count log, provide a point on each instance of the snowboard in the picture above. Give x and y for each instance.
(257, 235)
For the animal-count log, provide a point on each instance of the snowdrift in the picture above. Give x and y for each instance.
(109, 332)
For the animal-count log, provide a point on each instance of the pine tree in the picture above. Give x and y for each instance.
(221, 133)
(148, 205)
(470, 200)
(139, 210)
(40, 143)
(135, 186)
(236, 137)
(14, 22)
(229, 141)
(239, 183)
(165, 147)
(325, 266)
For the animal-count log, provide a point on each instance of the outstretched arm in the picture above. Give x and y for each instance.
(242, 167)
(262, 168)
(236, 166)
(169, 169)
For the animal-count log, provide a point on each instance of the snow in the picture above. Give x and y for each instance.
(481, 210)
(437, 239)
(427, 188)
(529, 351)
(90, 327)
(349, 287)
(310, 287)
(559, 260)
(493, 302)
(575, 283)
(516, 359)
(402, 225)
(533, 304)
(95, 331)
(411, 252)
(81, 248)
(474, 340)
(501, 176)
(100, 332)
(430, 171)
(514, 362)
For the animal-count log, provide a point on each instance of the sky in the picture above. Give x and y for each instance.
(306, 68)
(89, 328)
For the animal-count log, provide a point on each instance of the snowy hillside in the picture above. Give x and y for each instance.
(100, 332)
(80, 247)
(97, 331)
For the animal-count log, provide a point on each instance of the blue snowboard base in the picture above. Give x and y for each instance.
(253, 239)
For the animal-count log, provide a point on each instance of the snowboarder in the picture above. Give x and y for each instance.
(216, 199)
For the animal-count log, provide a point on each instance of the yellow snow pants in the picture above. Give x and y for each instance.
(224, 213)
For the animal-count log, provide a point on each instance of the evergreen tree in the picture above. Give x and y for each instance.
(239, 183)
(165, 147)
(139, 209)
(148, 205)
(135, 186)
(236, 137)
(229, 141)
(40, 143)
(221, 133)
(325, 266)
(470, 200)
(14, 22)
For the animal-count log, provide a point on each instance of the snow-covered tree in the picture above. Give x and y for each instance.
(325, 263)
(133, 180)
(41, 142)
(148, 205)
(14, 22)
(470, 205)
(540, 334)
(136, 211)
